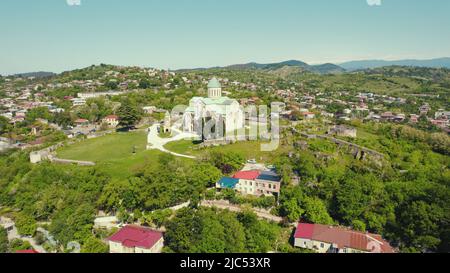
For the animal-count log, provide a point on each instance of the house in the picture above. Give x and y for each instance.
(268, 183)
(441, 123)
(253, 182)
(136, 239)
(442, 114)
(330, 239)
(307, 115)
(247, 184)
(399, 118)
(414, 118)
(112, 121)
(424, 109)
(387, 116)
(82, 122)
(78, 102)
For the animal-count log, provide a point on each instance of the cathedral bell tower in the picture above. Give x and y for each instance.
(214, 89)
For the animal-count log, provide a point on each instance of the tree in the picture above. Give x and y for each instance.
(18, 244)
(26, 225)
(111, 85)
(144, 84)
(94, 245)
(128, 114)
(292, 210)
(38, 112)
(4, 243)
(419, 223)
(5, 126)
(316, 212)
(227, 162)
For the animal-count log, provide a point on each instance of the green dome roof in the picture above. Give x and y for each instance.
(214, 83)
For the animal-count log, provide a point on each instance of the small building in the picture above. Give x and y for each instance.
(78, 102)
(112, 121)
(387, 116)
(424, 109)
(136, 239)
(308, 115)
(82, 122)
(442, 114)
(330, 239)
(414, 118)
(107, 222)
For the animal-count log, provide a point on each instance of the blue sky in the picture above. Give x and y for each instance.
(51, 35)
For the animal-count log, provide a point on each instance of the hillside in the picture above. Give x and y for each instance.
(300, 66)
(365, 64)
(40, 74)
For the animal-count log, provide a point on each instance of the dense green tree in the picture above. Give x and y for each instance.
(316, 212)
(4, 243)
(94, 245)
(5, 126)
(18, 244)
(129, 114)
(26, 225)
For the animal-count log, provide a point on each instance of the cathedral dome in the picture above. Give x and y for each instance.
(214, 83)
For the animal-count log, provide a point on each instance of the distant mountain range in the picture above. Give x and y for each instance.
(295, 66)
(40, 74)
(358, 65)
(330, 68)
(322, 68)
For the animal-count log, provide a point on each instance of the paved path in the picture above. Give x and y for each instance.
(156, 142)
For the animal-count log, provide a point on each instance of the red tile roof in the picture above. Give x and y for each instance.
(136, 236)
(27, 251)
(112, 117)
(247, 175)
(304, 231)
(343, 238)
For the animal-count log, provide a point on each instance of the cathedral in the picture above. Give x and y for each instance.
(216, 113)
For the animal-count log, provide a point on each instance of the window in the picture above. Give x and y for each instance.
(322, 245)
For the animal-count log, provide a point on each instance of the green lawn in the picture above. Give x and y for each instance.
(113, 152)
(248, 149)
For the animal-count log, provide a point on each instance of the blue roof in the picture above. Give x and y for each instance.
(228, 182)
(269, 176)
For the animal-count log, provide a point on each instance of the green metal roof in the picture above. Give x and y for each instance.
(214, 83)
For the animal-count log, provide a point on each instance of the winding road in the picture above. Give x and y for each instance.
(154, 141)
